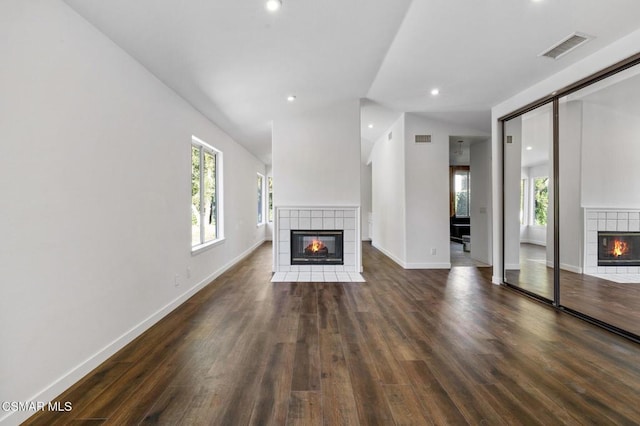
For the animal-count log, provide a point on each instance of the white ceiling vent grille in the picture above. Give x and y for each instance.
(423, 138)
(566, 45)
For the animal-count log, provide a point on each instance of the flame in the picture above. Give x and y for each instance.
(316, 246)
(620, 248)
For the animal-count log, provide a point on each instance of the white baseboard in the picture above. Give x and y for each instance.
(388, 254)
(512, 266)
(571, 268)
(566, 267)
(496, 280)
(427, 266)
(534, 242)
(406, 265)
(66, 381)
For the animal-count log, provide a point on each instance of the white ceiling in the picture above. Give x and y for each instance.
(236, 63)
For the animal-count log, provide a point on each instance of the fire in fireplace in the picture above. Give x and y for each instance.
(317, 247)
(618, 248)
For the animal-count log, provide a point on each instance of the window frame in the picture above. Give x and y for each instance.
(462, 171)
(532, 200)
(524, 201)
(261, 201)
(203, 148)
(270, 199)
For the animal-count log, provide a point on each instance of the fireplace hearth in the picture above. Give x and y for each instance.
(321, 247)
(618, 248)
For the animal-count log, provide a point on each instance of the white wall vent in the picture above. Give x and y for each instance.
(423, 138)
(566, 45)
(390, 136)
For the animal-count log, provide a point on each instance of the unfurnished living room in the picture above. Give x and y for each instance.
(286, 212)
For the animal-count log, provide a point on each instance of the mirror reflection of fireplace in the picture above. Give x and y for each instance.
(317, 247)
(618, 248)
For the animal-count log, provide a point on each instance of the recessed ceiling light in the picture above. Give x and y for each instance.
(291, 98)
(529, 148)
(370, 126)
(435, 92)
(273, 5)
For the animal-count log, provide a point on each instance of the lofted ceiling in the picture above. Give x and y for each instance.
(236, 62)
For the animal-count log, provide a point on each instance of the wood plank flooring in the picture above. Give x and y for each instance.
(617, 304)
(407, 347)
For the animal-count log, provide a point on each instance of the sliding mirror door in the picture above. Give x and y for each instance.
(528, 202)
(599, 200)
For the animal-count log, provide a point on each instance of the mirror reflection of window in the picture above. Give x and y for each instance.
(462, 194)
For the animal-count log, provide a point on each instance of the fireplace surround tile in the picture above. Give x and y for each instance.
(314, 218)
(609, 220)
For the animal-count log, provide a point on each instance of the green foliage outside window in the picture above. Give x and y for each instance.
(270, 192)
(204, 213)
(541, 200)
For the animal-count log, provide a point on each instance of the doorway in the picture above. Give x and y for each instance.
(468, 200)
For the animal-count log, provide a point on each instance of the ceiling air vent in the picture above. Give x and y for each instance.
(423, 138)
(566, 45)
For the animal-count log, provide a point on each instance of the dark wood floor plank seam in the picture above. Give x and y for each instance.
(404, 347)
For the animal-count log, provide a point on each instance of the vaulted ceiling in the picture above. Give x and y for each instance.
(236, 62)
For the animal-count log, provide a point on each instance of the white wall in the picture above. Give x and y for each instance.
(316, 157)
(512, 176)
(95, 188)
(611, 176)
(365, 200)
(480, 170)
(388, 193)
(571, 214)
(427, 191)
(411, 192)
(603, 58)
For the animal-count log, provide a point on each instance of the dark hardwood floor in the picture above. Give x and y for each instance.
(406, 347)
(614, 303)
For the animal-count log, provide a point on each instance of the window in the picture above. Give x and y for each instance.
(270, 196)
(540, 200)
(260, 199)
(461, 193)
(205, 191)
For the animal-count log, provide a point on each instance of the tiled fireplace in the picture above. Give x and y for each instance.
(326, 226)
(609, 234)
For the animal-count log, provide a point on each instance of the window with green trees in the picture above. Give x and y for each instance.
(204, 193)
(270, 196)
(461, 188)
(540, 200)
(260, 199)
